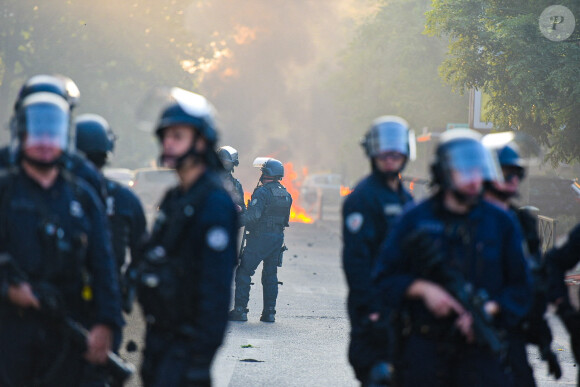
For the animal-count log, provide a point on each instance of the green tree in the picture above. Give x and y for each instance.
(114, 51)
(391, 67)
(497, 47)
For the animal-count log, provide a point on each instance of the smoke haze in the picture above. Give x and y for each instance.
(267, 77)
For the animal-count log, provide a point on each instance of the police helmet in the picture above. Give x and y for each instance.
(94, 138)
(389, 133)
(43, 118)
(56, 84)
(509, 156)
(270, 167)
(187, 108)
(228, 157)
(507, 146)
(460, 156)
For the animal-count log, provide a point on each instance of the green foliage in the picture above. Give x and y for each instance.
(496, 46)
(391, 67)
(114, 50)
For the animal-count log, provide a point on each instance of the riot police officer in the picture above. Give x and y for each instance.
(438, 255)
(57, 261)
(265, 219)
(188, 262)
(369, 213)
(534, 328)
(559, 260)
(229, 159)
(96, 140)
(72, 161)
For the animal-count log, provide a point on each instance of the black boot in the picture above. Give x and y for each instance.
(268, 315)
(239, 313)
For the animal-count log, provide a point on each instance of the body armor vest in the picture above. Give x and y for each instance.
(277, 213)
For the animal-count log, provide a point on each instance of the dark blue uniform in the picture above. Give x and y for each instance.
(59, 240)
(128, 230)
(369, 213)
(559, 260)
(127, 219)
(192, 253)
(234, 187)
(76, 164)
(534, 328)
(265, 220)
(486, 246)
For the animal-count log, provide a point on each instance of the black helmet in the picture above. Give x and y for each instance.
(94, 138)
(187, 108)
(461, 152)
(270, 167)
(389, 133)
(43, 118)
(56, 84)
(273, 168)
(228, 157)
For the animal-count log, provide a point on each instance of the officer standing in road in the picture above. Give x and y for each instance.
(265, 219)
(188, 263)
(534, 328)
(56, 256)
(72, 161)
(368, 215)
(229, 159)
(96, 141)
(449, 255)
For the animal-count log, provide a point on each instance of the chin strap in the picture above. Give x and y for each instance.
(41, 164)
(468, 200)
(501, 195)
(387, 175)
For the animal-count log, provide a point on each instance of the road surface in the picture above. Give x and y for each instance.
(307, 344)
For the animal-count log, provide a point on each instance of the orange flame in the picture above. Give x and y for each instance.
(247, 197)
(290, 181)
(297, 213)
(344, 191)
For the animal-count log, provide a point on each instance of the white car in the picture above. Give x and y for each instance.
(122, 175)
(150, 184)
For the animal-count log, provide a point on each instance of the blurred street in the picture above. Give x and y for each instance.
(307, 344)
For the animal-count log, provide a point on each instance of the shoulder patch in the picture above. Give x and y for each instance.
(354, 222)
(254, 201)
(217, 238)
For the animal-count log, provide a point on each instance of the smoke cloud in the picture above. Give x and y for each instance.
(267, 72)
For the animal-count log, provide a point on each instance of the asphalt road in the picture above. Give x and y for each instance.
(306, 346)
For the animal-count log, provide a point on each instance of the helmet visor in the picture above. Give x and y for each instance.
(388, 137)
(47, 125)
(514, 148)
(470, 161)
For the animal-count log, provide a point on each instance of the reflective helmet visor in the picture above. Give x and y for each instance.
(388, 137)
(515, 149)
(46, 124)
(228, 154)
(470, 161)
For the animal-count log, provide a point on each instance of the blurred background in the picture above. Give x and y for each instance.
(302, 80)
